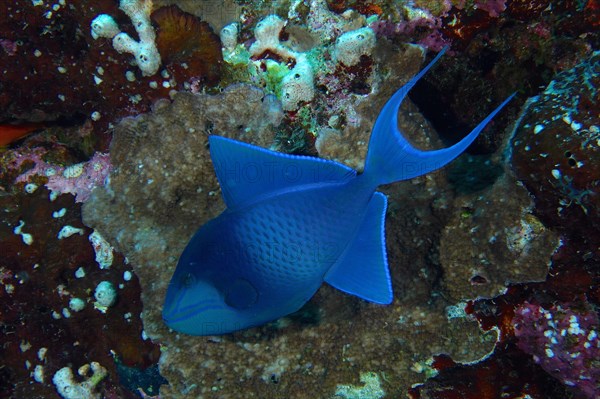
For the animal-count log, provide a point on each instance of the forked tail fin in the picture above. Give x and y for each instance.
(390, 156)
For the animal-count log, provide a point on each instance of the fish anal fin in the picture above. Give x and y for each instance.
(363, 270)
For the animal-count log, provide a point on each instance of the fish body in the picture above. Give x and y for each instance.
(11, 133)
(291, 223)
(268, 257)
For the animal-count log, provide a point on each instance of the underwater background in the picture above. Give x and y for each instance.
(105, 111)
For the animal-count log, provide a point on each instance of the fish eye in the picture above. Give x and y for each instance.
(187, 280)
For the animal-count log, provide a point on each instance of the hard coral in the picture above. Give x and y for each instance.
(297, 84)
(69, 388)
(350, 46)
(144, 51)
(185, 42)
(267, 33)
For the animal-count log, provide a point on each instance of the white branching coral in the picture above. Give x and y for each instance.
(69, 388)
(267, 33)
(297, 86)
(104, 26)
(145, 52)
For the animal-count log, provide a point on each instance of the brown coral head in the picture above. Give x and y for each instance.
(183, 38)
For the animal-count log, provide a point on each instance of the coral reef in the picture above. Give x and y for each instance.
(188, 46)
(47, 286)
(520, 47)
(289, 60)
(548, 325)
(564, 341)
(164, 186)
(78, 179)
(352, 45)
(468, 249)
(569, 288)
(493, 240)
(297, 84)
(64, 76)
(69, 388)
(346, 140)
(507, 373)
(556, 147)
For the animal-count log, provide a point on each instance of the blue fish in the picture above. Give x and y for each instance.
(291, 223)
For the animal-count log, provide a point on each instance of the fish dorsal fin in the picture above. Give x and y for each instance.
(363, 269)
(248, 173)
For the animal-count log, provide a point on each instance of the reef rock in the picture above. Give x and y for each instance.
(492, 240)
(556, 147)
(50, 265)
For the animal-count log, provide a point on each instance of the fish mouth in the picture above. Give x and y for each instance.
(176, 314)
(200, 312)
(183, 304)
(182, 319)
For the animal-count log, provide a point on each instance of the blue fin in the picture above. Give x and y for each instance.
(363, 270)
(248, 173)
(390, 156)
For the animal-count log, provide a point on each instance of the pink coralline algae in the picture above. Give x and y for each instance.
(494, 8)
(79, 179)
(564, 341)
(9, 46)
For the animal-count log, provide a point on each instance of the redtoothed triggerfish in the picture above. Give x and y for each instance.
(291, 223)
